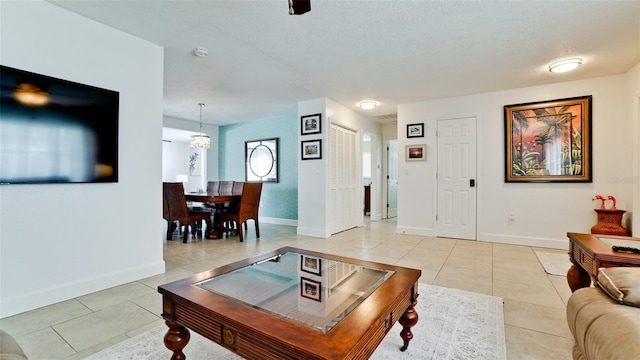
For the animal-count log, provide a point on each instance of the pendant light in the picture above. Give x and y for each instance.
(201, 141)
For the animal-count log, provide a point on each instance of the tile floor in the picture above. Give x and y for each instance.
(534, 302)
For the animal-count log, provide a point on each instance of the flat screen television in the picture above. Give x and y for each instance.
(56, 131)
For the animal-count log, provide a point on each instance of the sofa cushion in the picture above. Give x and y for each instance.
(621, 283)
(9, 348)
(603, 329)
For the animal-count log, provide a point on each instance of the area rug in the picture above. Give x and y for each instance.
(553, 263)
(453, 324)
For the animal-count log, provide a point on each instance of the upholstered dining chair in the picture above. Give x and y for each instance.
(246, 210)
(175, 209)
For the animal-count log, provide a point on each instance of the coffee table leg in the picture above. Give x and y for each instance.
(176, 339)
(407, 320)
(577, 277)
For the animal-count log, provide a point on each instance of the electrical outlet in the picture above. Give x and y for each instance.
(512, 216)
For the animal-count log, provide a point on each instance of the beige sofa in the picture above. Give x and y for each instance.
(605, 319)
(9, 348)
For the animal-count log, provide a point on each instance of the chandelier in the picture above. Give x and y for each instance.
(201, 141)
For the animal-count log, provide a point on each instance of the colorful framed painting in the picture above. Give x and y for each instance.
(548, 141)
(311, 149)
(311, 289)
(311, 264)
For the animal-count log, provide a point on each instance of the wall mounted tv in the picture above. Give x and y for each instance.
(56, 131)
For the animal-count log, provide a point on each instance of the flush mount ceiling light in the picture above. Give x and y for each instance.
(368, 104)
(201, 141)
(565, 65)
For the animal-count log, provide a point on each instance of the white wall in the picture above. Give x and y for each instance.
(175, 155)
(313, 175)
(633, 80)
(544, 212)
(211, 130)
(60, 241)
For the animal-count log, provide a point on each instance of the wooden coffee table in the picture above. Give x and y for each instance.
(292, 304)
(590, 252)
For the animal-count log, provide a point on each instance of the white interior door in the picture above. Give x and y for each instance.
(345, 180)
(456, 216)
(392, 178)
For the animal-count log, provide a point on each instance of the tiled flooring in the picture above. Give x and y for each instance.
(534, 302)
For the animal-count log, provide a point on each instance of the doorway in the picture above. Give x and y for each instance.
(392, 178)
(456, 181)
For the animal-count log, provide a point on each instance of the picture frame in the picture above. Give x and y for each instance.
(311, 289)
(261, 160)
(311, 124)
(195, 163)
(416, 152)
(311, 264)
(548, 141)
(415, 130)
(311, 149)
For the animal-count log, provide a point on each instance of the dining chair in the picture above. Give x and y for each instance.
(226, 187)
(175, 209)
(213, 186)
(237, 187)
(247, 209)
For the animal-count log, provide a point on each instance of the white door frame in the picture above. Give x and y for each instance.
(387, 179)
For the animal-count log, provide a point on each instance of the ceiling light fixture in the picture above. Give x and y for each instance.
(201, 141)
(368, 104)
(565, 65)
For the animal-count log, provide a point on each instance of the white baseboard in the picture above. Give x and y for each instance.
(525, 240)
(319, 233)
(278, 221)
(414, 231)
(496, 238)
(37, 299)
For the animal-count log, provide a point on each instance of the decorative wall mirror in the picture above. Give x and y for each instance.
(261, 160)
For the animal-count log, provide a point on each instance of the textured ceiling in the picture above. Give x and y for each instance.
(262, 61)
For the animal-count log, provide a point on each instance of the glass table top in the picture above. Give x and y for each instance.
(312, 291)
(619, 241)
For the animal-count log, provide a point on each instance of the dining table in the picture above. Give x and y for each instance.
(214, 228)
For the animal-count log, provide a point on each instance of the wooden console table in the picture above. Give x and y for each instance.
(588, 253)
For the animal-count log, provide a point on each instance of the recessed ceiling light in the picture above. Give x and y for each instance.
(565, 65)
(367, 104)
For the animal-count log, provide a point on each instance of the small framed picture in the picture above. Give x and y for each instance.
(416, 152)
(310, 124)
(311, 264)
(311, 149)
(415, 130)
(311, 289)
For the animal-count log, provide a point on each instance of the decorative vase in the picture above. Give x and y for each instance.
(609, 223)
